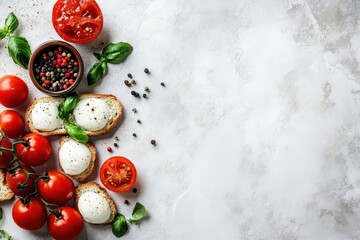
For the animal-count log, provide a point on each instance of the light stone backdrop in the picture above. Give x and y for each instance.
(257, 127)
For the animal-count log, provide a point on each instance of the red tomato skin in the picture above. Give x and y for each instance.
(31, 216)
(58, 189)
(68, 226)
(13, 91)
(6, 157)
(19, 176)
(38, 151)
(12, 123)
(90, 16)
(114, 160)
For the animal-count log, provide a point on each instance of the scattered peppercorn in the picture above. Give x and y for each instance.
(129, 75)
(133, 82)
(146, 70)
(135, 190)
(56, 69)
(144, 95)
(116, 138)
(153, 142)
(162, 84)
(134, 110)
(135, 94)
(138, 121)
(134, 135)
(126, 202)
(116, 145)
(146, 89)
(109, 149)
(127, 83)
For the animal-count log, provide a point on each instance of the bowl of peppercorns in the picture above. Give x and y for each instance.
(56, 68)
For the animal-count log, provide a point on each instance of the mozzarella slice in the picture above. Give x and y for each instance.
(94, 208)
(45, 116)
(92, 114)
(74, 157)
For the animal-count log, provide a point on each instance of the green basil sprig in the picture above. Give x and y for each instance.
(119, 225)
(138, 213)
(5, 235)
(65, 113)
(114, 53)
(18, 47)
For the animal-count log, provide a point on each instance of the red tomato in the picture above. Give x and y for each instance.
(5, 156)
(12, 123)
(13, 91)
(57, 189)
(38, 151)
(19, 176)
(118, 174)
(77, 21)
(29, 216)
(67, 226)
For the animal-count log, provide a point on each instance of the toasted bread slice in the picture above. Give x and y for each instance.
(5, 192)
(96, 188)
(114, 104)
(82, 176)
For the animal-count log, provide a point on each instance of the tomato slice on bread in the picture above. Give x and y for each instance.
(118, 174)
(77, 21)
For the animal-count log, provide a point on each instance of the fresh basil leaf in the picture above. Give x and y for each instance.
(3, 33)
(138, 213)
(95, 74)
(1, 213)
(61, 112)
(76, 132)
(19, 50)
(5, 235)
(70, 103)
(11, 23)
(98, 56)
(117, 52)
(104, 68)
(119, 225)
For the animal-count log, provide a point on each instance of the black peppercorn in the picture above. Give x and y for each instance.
(116, 145)
(144, 95)
(134, 110)
(146, 71)
(134, 134)
(162, 84)
(138, 121)
(153, 142)
(135, 190)
(129, 75)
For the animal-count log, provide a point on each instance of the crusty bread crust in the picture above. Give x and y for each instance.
(82, 176)
(5, 192)
(96, 188)
(114, 104)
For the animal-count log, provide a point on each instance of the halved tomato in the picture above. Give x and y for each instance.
(118, 174)
(77, 21)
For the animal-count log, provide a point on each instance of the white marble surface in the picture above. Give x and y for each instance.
(257, 127)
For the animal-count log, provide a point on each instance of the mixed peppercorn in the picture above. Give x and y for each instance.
(56, 69)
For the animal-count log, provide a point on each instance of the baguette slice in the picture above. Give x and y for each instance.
(116, 109)
(95, 187)
(82, 176)
(5, 192)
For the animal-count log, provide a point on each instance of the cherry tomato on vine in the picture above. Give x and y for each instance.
(13, 91)
(67, 226)
(37, 152)
(11, 123)
(18, 176)
(57, 188)
(5, 156)
(77, 21)
(31, 215)
(118, 174)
